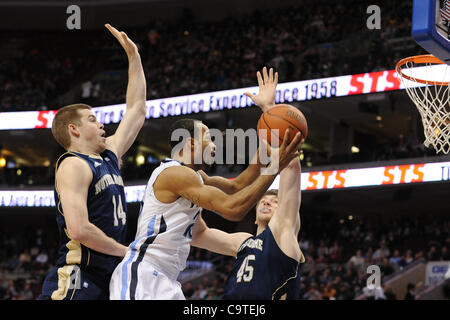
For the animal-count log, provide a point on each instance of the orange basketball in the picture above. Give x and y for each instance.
(282, 117)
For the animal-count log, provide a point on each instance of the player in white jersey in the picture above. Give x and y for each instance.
(174, 198)
(160, 249)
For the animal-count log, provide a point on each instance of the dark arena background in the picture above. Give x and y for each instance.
(372, 193)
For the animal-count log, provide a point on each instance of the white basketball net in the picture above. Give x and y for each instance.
(432, 100)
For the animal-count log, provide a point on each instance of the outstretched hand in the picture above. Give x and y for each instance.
(267, 83)
(127, 44)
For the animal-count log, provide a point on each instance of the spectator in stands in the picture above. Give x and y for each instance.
(318, 281)
(407, 259)
(349, 276)
(381, 252)
(312, 277)
(410, 294)
(357, 260)
(329, 291)
(432, 254)
(313, 293)
(444, 254)
(396, 258)
(386, 267)
(344, 292)
(173, 51)
(419, 255)
(335, 252)
(11, 291)
(200, 293)
(322, 250)
(188, 290)
(369, 240)
(321, 259)
(389, 293)
(326, 276)
(446, 289)
(42, 258)
(304, 243)
(27, 293)
(3, 284)
(25, 260)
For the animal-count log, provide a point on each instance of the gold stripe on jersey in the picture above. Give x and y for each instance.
(57, 165)
(59, 207)
(302, 257)
(89, 256)
(63, 283)
(293, 277)
(73, 256)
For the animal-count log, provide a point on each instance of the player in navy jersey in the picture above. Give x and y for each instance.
(89, 191)
(267, 265)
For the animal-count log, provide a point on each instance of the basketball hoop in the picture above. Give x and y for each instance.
(427, 82)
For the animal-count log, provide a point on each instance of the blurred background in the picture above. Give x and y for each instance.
(192, 47)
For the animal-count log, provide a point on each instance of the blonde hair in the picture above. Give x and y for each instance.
(272, 192)
(65, 116)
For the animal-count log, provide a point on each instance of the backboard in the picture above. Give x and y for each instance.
(431, 27)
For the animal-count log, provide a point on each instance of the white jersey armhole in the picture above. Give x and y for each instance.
(155, 174)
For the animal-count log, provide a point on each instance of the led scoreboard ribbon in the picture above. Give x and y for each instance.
(219, 100)
(316, 180)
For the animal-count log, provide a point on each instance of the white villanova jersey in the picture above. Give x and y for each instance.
(164, 231)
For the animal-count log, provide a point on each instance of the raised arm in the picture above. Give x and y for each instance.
(72, 180)
(216, 240)
(265, 99)
(189, 186)
(230, 206)
(285, 223)
(134, 117)
(244, 179)
(289, 196)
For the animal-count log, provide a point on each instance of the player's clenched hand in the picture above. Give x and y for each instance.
(126, 43)
(267, 83)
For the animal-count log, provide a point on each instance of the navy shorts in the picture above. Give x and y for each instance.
(72, 283)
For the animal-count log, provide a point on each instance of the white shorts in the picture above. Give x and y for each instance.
(131, 281)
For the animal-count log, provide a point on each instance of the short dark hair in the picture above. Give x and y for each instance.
(187, 124)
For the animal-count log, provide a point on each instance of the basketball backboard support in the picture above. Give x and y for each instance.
(431, 27)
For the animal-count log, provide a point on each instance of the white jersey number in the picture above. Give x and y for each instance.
(246, 270)
(119, 213)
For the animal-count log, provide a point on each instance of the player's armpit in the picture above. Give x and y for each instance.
(216, 240)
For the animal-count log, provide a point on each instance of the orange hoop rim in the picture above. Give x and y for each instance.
(424, 58)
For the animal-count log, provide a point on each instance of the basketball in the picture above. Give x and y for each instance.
(282, 117)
